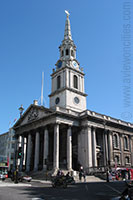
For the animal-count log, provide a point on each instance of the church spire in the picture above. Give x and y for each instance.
(67, 34)
(67, 48)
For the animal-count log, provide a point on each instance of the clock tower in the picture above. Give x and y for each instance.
(68, 77)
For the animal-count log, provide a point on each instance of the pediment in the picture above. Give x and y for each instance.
(33, 113)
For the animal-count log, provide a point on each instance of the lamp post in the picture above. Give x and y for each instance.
(21, 110)
(17, 151)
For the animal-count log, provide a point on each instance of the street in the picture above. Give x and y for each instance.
(44, 191)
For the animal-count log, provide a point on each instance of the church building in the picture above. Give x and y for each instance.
(67, 135)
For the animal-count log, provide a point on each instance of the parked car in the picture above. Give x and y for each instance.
(22, 176)
(2, 177)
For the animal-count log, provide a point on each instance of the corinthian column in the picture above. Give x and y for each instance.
(88, 142)
(28, 153)
(36, 160)
(69, 148)
(22, 156)
(104, 148)
(45, 155)
(56, 147)
(110, 139)
(94, 147)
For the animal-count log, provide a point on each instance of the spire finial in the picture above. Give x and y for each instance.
(66, 11)
(67, 34)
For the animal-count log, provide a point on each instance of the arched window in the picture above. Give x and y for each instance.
(115, 141)
(72, 54)
(125, 143)
(126, 160)
(62, 53)
(116, 159)
(67, 52)
(58, 82)
(75, 82)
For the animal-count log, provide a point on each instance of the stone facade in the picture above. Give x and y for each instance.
(3, 144)
(68, 135)
(7, 146)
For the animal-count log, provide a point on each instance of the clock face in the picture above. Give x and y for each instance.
(76, 100)
(59, 64)
(57, 100)
(75, 64)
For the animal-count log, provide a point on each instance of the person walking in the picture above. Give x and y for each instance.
(81, 173)
(107, 175)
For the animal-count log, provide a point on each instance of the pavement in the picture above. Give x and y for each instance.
(12, 184)
(88, 179)
(9, 183)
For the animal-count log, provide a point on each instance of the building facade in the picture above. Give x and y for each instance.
(7, 147)
(3, 144)
(67, 135)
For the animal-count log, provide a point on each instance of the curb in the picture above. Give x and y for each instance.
(41, 181)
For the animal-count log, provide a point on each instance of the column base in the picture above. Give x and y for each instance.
(54, 172)
(27, 169)
(45, 167)
(69, 169)
(35, 169)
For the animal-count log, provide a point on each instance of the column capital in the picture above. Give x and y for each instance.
(69, 126)
(45, 128)
(87, 126)
(94, 127)
(105, 130)
(57, 123)
(110, 132)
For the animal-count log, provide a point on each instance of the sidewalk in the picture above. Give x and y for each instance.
(41, 181)
(12, 184)
(88, 179)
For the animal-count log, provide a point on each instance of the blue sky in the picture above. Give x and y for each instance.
(31, 32)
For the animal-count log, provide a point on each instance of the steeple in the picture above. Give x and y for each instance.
(68, 77)
(67, 34)
(67, 48)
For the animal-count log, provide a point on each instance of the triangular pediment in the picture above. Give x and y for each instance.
(33, 113)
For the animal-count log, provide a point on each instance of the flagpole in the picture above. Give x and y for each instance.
(42, 89)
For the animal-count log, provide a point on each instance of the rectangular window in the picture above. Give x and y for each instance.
(12, 155)
(13, 145)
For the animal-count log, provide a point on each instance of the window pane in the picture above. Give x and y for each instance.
(75, 80)
(67, 52)
(58, 82)
(125, 143)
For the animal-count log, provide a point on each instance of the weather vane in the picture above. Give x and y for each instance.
(67, 13)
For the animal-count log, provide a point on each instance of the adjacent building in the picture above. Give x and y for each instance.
(67, 135)
(7, 148)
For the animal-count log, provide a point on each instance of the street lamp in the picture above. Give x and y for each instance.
(21, 110)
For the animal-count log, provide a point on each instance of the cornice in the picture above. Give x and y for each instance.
(67, 67)
(67, 88)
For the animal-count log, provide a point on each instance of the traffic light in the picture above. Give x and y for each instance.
(19, 152)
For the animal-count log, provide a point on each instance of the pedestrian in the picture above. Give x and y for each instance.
(84, 175)
(81, 173)
(107, 175)
(59, 172)
(46, 175)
